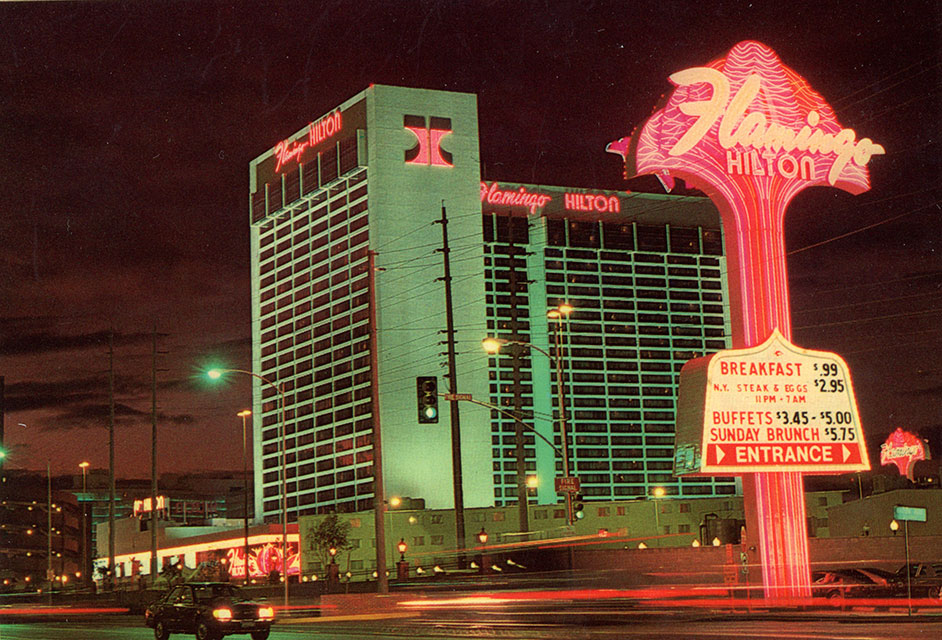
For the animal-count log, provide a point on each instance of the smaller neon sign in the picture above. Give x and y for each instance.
(493, 194)
(903, 449)
(144, 506)
(291, 150)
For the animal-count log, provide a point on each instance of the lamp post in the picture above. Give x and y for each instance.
(894, 527)
(245, 497)
(215, 374)
(485, 561)
(84, 466)
(402, 567)
(657, 492)
(49, 572)
(493, 345)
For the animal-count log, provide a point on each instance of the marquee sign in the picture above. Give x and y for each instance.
(751, 133)
(774, 407)
(903, 449)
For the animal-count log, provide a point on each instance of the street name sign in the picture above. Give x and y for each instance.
(912, 514)
(772, 407)
(448, 397)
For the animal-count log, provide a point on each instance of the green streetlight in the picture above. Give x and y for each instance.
(216, 374)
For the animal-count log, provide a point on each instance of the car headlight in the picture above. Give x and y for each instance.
(223, 615)
(266, 613)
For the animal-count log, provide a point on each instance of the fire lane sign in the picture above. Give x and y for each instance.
(773, 407)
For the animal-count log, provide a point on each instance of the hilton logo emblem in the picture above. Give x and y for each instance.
(428, 147)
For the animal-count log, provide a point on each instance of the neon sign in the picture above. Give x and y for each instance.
(751, 134)
(592, 202)
(492, 194)
(291, 150)
(144, 506)
(755, 134)
(903, 449)
(428, 147)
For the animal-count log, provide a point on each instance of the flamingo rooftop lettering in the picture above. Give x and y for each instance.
(754, 132)
(520, 198)
(291, 150)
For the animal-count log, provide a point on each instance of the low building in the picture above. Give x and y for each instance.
(430, 540)
(872, 515)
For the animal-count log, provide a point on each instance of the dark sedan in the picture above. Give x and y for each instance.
(925, 578)
(210, 610)
(857, 583)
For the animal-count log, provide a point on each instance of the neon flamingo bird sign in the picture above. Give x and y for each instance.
(752, 134)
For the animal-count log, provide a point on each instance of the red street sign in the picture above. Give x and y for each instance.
(567, 484)
(456, 396)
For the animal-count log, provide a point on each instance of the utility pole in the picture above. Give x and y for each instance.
(453, 389)
(523, 509)
(111, 484)
(153, 460)
(379, 491)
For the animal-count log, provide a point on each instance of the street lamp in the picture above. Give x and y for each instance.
(657, 492)
(245, 496)
(402, 546)
(493, 345)
(84, 466)
(215, 374)
(482, 536)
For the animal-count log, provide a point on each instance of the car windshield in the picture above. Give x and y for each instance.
(208, 592)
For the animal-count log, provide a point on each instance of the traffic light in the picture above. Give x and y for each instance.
(577, 507)
(427, 393)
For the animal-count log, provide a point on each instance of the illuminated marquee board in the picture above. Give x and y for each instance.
(751, 133)
(774, 407)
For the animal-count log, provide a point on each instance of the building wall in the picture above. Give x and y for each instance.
(313, 226)
(430, 534)
(645, 273)
(871, 516)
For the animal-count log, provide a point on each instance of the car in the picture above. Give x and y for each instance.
(926, 579)
(857, 583)
(211, 610)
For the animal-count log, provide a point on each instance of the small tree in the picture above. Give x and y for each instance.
(330, 533)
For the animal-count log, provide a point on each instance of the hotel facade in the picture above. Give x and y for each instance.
(372, 180)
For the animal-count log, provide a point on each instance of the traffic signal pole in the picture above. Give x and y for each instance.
(453, 389)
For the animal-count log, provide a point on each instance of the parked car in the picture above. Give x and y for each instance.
(210, 610)
(857, 583)
(926, 579)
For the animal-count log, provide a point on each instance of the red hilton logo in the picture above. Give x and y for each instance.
(428, 148)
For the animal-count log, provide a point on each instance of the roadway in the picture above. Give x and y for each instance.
(587, 623)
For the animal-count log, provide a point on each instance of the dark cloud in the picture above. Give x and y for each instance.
(128, 129)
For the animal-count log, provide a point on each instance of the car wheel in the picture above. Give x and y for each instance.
(935, 593)
(261, 635)
(160, 630)
(204, 632)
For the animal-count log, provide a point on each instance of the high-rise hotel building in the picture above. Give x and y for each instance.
(644, 274)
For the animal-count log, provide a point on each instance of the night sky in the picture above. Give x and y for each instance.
(126, 130)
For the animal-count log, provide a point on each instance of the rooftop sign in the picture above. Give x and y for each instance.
(773, 407)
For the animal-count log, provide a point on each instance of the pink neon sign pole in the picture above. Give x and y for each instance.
(751, 134)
